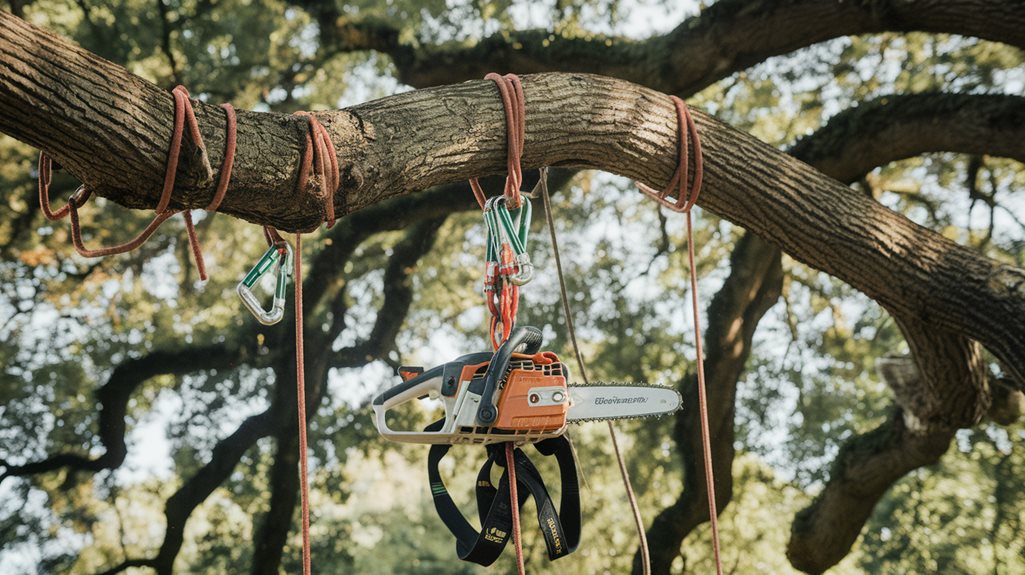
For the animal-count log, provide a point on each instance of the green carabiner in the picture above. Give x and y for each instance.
(502, 229)
(516, 235)
(493, 233)
(522, 215)
(280, 254)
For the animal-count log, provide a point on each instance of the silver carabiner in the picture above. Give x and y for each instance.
(524, 270)
(283, 271)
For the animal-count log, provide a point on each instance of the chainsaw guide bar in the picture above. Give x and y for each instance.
(600, 401)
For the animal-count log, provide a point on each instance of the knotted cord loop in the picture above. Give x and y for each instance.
(44, 167)
(183, 114)
(511, 90)
(77, 200)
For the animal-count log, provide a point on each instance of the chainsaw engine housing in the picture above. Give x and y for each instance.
(532, 400)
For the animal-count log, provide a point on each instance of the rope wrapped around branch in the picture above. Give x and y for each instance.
(183, 115)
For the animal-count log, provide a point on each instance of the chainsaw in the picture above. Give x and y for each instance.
(517, 394)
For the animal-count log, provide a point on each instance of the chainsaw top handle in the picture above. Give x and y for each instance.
(527, 336)
(421, 382)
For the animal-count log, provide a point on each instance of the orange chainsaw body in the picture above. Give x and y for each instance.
(520, 408)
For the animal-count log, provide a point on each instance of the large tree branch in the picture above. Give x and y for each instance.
(574, 121)
(225, 456)
(727, 37)
(947, 390)
(899, 126)
(946, 387)
(862, 472)
(398, 295)
(114, 397)
(269, 538)
(874, 250)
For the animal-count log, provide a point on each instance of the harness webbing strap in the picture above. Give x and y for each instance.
(561, 529)
(569, 504)
(561, 538)
(482, 547)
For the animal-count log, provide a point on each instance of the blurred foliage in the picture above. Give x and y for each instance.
(66, 323)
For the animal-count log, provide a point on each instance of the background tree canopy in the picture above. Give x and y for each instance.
(148, 423)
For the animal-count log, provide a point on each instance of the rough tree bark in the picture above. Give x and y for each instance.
(572, 121)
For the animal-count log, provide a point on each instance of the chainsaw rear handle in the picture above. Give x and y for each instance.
(431, 383)
(400, 393)
(528, 336)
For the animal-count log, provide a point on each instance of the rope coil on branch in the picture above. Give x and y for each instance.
(320, 155)
(513, 103)
(677, 186)
(183, 114)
